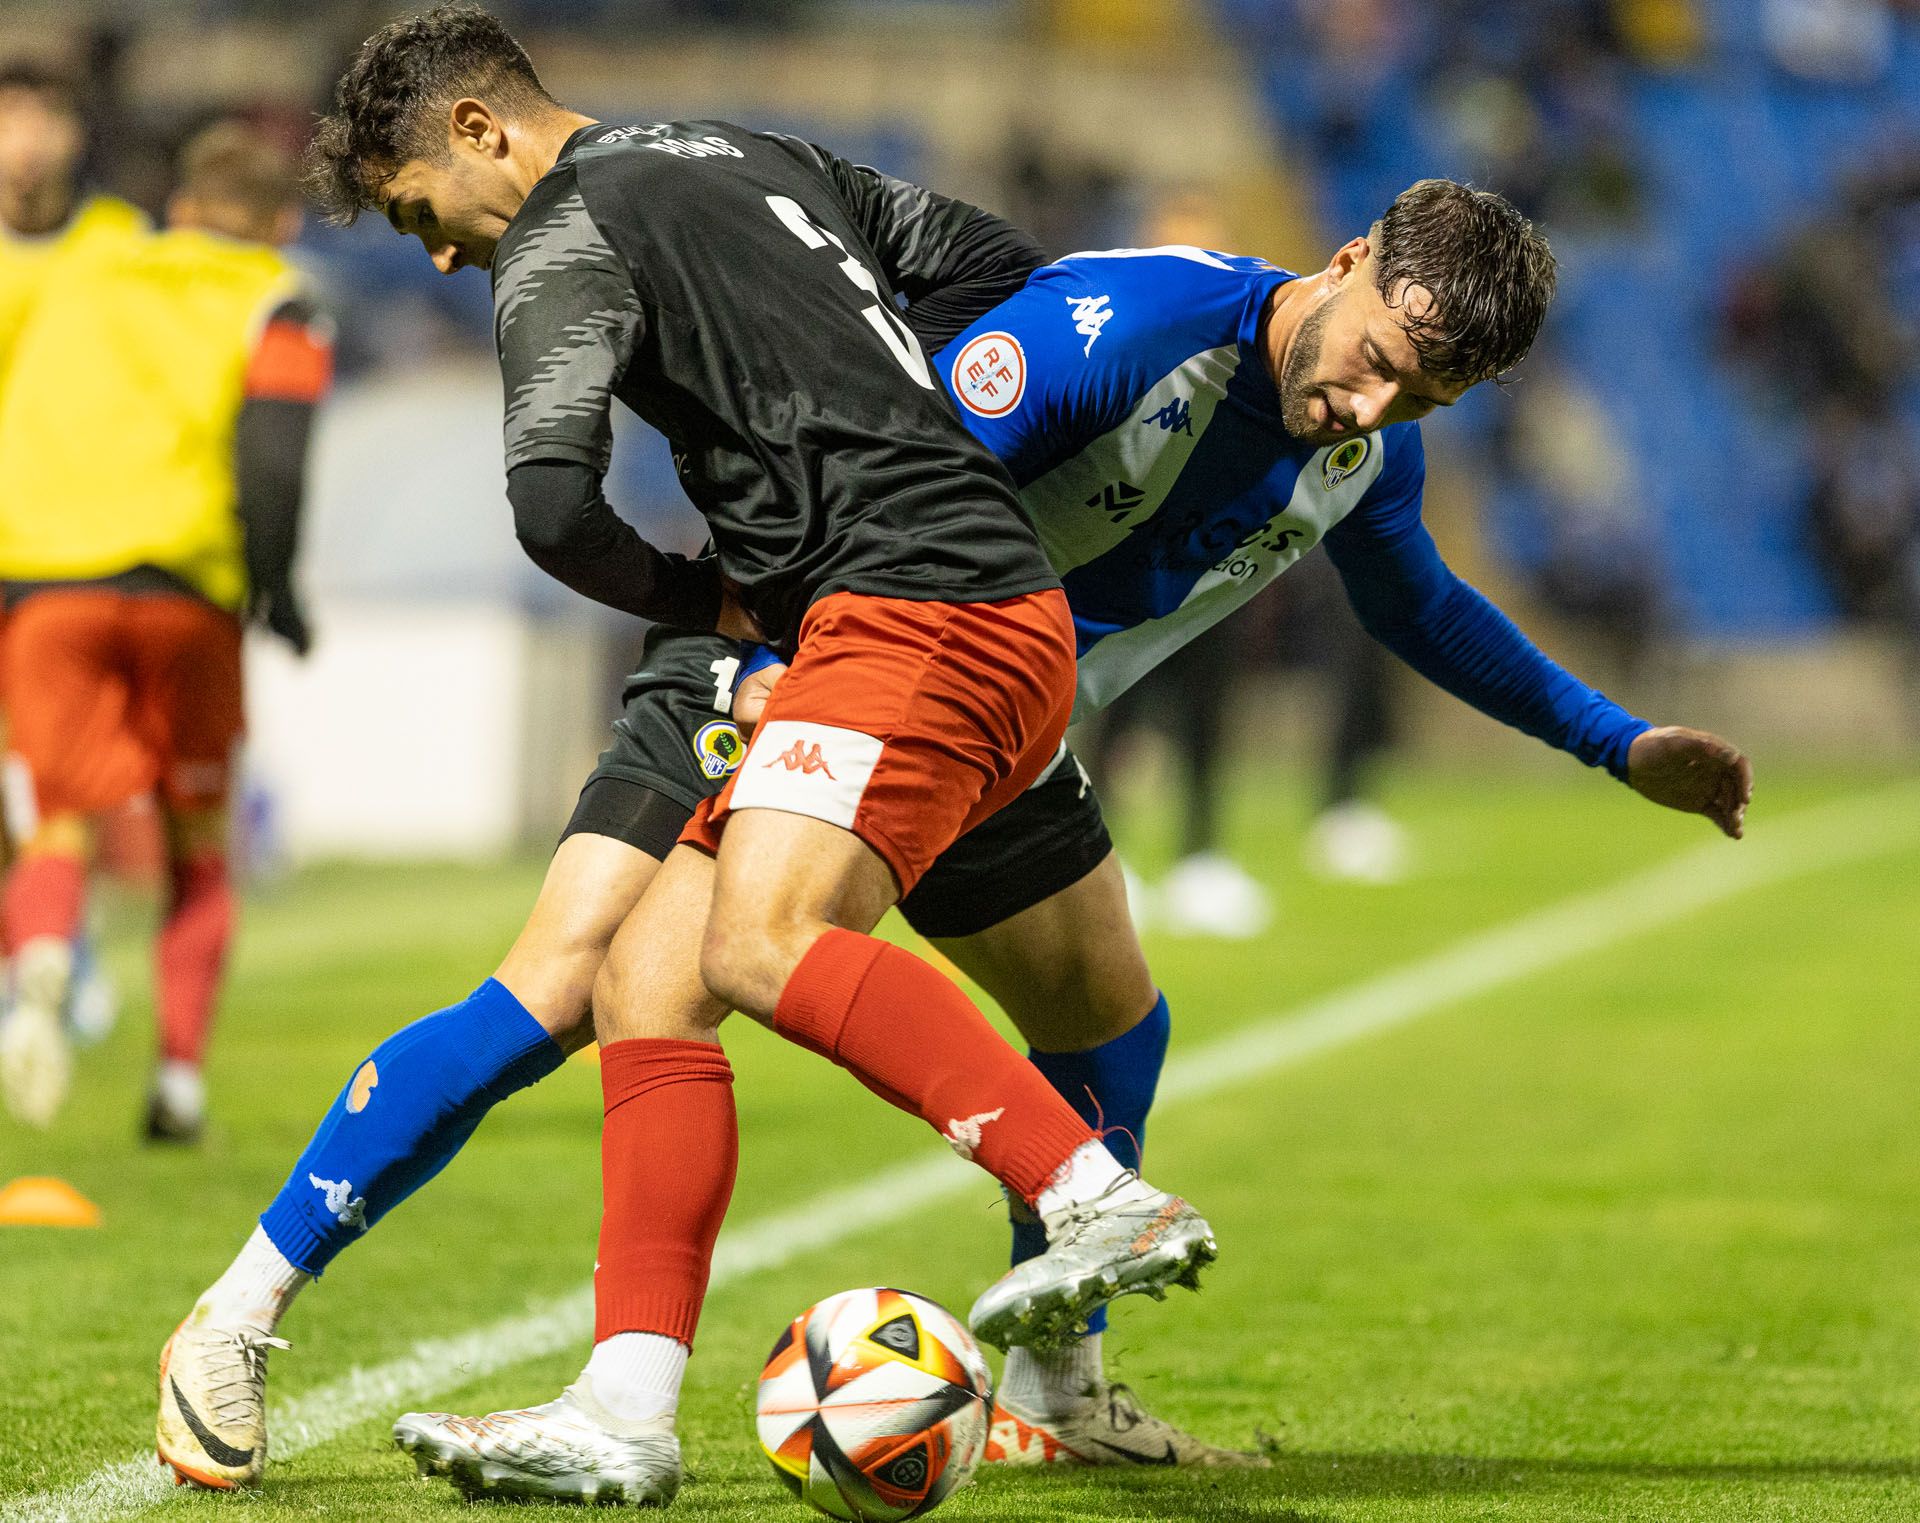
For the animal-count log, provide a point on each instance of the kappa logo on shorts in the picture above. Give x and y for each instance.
(719, 750)
(804, 759)
(819, 770)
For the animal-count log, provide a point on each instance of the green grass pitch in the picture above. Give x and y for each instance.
(1631, 1237)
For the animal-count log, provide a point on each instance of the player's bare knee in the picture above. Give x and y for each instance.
(613, 1014)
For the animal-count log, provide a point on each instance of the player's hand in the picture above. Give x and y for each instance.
(278, 611)
(735, 622)
(750, 695)
(1695, 772)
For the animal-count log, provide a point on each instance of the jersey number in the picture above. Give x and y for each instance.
(896, 335)
(724, 671)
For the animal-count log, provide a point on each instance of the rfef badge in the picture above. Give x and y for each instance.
(990, 375)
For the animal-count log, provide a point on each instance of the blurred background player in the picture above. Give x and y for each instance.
(46, 213)
(127, 573)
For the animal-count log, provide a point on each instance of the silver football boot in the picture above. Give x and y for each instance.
(572, 1449)
(1109, 1428)
(1132, 1240)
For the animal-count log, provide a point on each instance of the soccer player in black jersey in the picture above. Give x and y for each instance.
(737, 290)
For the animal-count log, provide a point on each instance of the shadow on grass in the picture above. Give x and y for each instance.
(1299, 1488)
(1315, 1479)
(1319, 1474)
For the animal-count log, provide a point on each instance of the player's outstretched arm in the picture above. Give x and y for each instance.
(1694, 772)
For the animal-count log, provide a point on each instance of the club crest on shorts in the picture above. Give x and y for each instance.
(718, 748)
(990, 375)
(1343, 460)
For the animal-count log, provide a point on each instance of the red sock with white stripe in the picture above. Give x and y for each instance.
(914, 1039)
(668, 1150)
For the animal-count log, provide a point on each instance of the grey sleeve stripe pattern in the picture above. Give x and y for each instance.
(909, 220)
(566, 319)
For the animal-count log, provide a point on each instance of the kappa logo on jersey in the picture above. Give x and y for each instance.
(719, 749)
(990, 375)
(348, 1209)
(963, 1136)
(804, 759)
(1342, 462)
(1176, 417)
(1090, 315)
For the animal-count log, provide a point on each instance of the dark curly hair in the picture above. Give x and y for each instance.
(391, 104)
(1488, 269)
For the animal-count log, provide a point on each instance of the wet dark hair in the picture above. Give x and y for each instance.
(391, 104)
(1488, 268)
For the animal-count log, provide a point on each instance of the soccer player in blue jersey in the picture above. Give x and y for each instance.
(1183, 425)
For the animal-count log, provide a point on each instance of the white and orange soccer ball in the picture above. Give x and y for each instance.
(874, 1405)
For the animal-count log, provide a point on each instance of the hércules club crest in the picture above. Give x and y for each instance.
(719, 750)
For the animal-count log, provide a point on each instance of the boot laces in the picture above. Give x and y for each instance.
(234, 1362)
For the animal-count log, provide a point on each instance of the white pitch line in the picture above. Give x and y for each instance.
(1809, 841)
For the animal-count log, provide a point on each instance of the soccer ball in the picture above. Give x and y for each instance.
(874, 1405)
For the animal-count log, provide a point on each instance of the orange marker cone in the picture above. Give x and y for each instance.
(44, 1202)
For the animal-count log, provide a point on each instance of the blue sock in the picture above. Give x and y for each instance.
(403, 1115)
(1111, 1086)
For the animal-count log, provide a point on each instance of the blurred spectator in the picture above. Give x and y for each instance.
(1830, 42)
(1560, 446)
(1864, 513)
(1822, 325)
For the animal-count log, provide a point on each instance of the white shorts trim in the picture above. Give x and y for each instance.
(818, 770)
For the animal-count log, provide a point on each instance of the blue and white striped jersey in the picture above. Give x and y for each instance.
(1127, 394)
(1147, 444)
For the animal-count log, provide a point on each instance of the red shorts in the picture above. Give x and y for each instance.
(907, 723)
(111, 695)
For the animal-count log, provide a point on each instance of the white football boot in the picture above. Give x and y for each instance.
(570, 1450)
(1129, 1241)
(1109, 1428)
(36, 1065)
(213, 1404)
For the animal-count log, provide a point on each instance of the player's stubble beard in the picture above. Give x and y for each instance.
(1296, 378)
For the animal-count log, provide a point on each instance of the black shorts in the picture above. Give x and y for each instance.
(674, 746)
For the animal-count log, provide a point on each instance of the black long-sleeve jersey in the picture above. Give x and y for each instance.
(737, 291)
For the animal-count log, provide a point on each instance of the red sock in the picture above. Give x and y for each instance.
(191, 953)
(668, 1150)
(43, 897)
(915, 1040)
